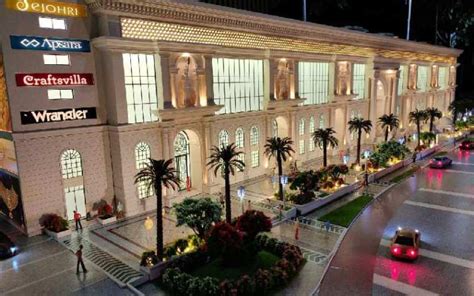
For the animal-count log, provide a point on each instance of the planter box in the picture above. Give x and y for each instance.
(387, 171)
(155, 271)
(58, 235)
(315, 204)
(107, 221)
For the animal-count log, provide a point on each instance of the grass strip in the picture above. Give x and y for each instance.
(404, 175)
(440, 153)
(344, 215)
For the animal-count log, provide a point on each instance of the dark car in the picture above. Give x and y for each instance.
(7, 247)
(440, 162)
(467, 145)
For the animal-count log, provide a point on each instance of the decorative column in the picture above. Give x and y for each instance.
(164, 84)
(208, 78)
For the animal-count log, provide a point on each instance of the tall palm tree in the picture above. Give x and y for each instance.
(432, 114)
(280, 149)
(226, 159)
(359, 124)
(154, 175)
(389, 122)
(417, 117)
(324, 138)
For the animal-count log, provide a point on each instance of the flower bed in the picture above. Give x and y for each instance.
(55, 226)
(283, 262)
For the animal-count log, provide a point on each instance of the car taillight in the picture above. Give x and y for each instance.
(411, 252)
(439, 163)
(396, 251)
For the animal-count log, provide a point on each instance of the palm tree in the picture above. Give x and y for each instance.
(226, 159)
(324, 138)
(417, 117)
(280, 149)
(432, 114)
(359, 124)
(389, 122)
(154, 175)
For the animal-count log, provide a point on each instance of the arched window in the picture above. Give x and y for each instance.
(321, 121)
(142, 155)
(254, 135)
(311, 131)
(182, 159)
(239, 138)
(223, 138)
(301, 127)
(71, 164)
(274, 128)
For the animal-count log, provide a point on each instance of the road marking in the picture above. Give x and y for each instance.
(437, 207)
(438, 256)
(459, 172)
(447, 192)
(401, 287)
(462, 163)
(33, 261)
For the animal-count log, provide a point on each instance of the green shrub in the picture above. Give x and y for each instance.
(53, 222)
(149, 258)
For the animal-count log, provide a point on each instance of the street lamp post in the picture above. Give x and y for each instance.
(409, 19)
(284, 181)
(241, 195)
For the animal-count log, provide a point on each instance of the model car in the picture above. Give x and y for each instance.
(440, 162)
(7, 247)
(405, 243)
(467, 145)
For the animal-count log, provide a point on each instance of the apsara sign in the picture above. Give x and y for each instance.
(44, 116)
(49, 44)
(56, 79)
(48, 7)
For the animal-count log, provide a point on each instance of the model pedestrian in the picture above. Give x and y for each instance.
(77, 219)
(414, 157)
(297, 230)
(327, 225)
(79, 260)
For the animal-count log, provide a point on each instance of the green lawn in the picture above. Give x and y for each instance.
(440, 153)
(264, 260)
(344, 215)
(406, 174)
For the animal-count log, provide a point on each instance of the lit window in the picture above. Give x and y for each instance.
(321, 121)
(142, 155)
(312, 127)
(242, 158)
(301, 127)
(60, 94)
(238, 84)
(255, 158)
(254, 135)
(56, 59)
(401, 80)
(301, 146)
(422, 78)
(143, 190)
(52, 23)
(140, 87)
(313, 80)
(274, 128)
(442, 77)
(223, 138)
(358, 83)
(71, 164)
(239, 138)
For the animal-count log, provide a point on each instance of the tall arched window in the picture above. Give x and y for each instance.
(254, 135)
(311, 131)
(182, 159)
(301, 127)
(71, 164)
(255, 153)
(239, 138)
(301, 133)
(223, 138)
(274, 128)
(321, 121)
(142, 155)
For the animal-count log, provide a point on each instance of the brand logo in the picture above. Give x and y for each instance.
(48, 7)
(43, 116)
(49, 44)
(56, 79)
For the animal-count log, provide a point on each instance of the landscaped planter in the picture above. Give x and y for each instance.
(427, 152)
(57, 235)
(155, 271)
(386, 171)
(107, 221)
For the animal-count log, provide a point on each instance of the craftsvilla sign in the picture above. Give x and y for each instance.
(44, 116)
(48, 7)
(49, 44)
(56, 79)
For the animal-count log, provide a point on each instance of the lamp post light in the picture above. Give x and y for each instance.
(284, 181)
(241, 195)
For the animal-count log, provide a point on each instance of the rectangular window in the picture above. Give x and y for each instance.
(52, 23)
(401, 80)
(56, 59)
(238, 84)
(422, 78)
(358, 80)
(301, 146)
(442, 77)
(242, 158)
(311, 145)
(313, 82)
(255, 158)
(143, 190)
(60, 94)
(140, 87)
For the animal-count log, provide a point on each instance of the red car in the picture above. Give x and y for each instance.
(405, 244)
(467, 145)
(440, 162)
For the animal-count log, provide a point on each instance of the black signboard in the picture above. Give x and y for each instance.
(43, 116)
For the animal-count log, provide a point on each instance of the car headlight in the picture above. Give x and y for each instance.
(13, 250)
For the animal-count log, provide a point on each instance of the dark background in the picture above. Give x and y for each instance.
(433, 21)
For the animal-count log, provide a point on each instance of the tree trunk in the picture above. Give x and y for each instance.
(325, 154)
(431, 125)
(159, 221)
(280, 173)
(418, 130)
(228, 210)
(358, 146)
(386, 135)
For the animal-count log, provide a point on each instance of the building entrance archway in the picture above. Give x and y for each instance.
(187, 160)
(280, 127)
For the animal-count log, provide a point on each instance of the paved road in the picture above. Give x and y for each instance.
(437, 202)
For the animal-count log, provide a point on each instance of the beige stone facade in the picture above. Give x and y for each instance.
(184, 39)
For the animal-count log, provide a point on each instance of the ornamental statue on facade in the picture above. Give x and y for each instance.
(343, 79)
(412, 77)
(283, 80)
(5, 120)
(186, 90)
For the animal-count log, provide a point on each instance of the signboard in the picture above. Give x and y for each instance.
(44, 116)
(54, 79)
(49, 44)
(11, 205)
(48, 7)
